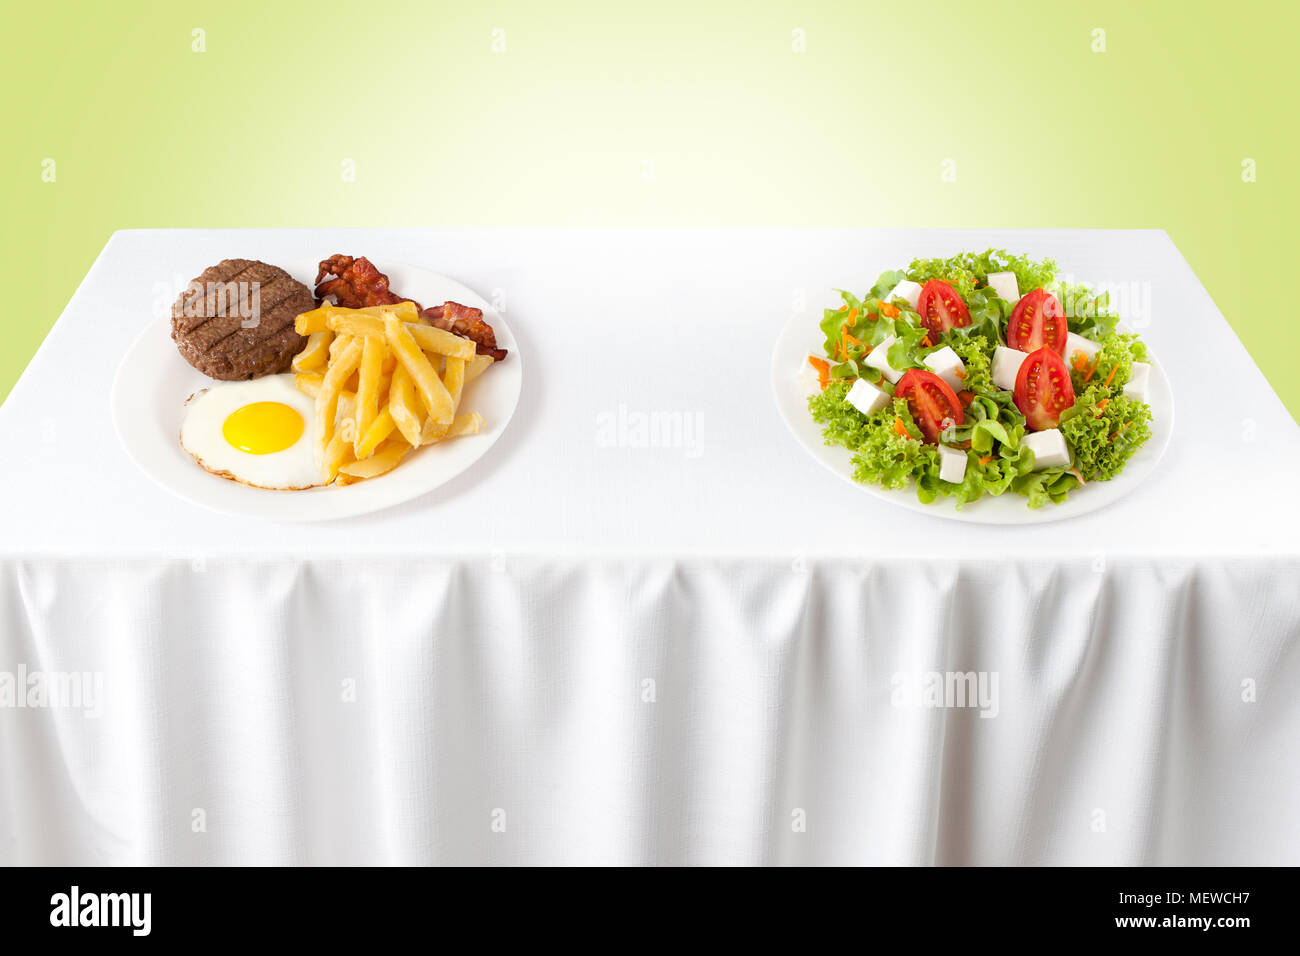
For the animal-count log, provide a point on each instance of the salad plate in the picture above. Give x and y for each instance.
(1029, 493)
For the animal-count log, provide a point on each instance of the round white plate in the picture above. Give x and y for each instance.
(153, 383)
(801, 337)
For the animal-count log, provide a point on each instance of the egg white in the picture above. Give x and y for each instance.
(206, 412)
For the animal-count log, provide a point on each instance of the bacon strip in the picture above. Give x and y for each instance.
(466, 322)
(357, 284)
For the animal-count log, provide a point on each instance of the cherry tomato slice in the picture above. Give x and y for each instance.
(1043, 389)
(941, 308)
(932, 402)
(1038, 320)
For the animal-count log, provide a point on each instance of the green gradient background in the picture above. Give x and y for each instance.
(443, 131)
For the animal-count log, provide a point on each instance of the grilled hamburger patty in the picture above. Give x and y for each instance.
(208, 319)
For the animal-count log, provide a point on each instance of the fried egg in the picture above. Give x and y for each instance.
(260, 433)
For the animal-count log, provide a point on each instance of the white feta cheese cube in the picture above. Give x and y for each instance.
(1136, 387)
(1077, 343)
(945, 363)
(1049, 448)
(867, 398)
(878, 358)
(1004, 284)
(908, 290)
(952, 464)
(1006, 366)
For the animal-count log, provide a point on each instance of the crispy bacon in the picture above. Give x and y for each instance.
(466, 322)
(357, 284)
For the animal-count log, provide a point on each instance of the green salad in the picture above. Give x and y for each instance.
(978, 375)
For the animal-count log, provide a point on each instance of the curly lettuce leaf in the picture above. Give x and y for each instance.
(969, 270)
(1088, 313)
(1104, 429)
(881, 455)
(975, 352)
(1119, 350)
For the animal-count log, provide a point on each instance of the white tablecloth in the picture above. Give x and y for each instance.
(587, 651)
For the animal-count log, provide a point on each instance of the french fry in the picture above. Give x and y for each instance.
(476, 367)
(317, 320)
(429, 339)
(327, 399)
(406, 311)
(471, 423)
(354, 323)
(309, 323)
(384, 460)
(379, 430)
(334, 456)
(309, 382)
(442, 342)
(347, 406)
(431, 390)
(368, 387)
(401, 405)
(315, 353)
(454, 381)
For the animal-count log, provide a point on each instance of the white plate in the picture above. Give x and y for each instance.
(802, 337)
(153, 382)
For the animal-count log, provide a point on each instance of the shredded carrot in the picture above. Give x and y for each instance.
(853, 339)
(1112, 435)
(1092, 371)
(842, 345)
(1111, 377)
(960, 373)
(889, 309)
(966, 397)
(986, 459)
(1080, 362)
(871, 316)
(925, 340)
(1101, 406)
(900, 428)
(843, 308)
(853, 315)
(823, 368)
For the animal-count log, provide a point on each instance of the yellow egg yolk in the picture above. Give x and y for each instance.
(263, 427)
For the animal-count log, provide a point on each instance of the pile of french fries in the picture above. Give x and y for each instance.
(385, 382)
